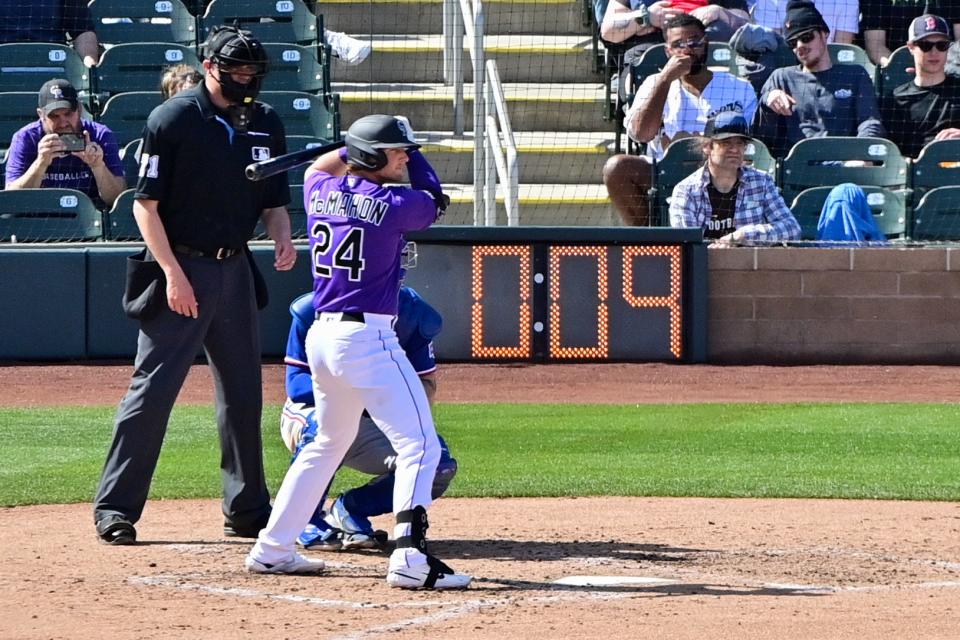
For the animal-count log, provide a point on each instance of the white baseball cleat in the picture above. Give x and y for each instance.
(297, 564)
(420, 571)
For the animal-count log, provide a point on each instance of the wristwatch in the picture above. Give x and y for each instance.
(644, 18)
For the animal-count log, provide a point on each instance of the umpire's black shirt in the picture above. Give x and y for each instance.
(192, 163)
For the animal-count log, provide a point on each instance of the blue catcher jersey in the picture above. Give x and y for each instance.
(417, 325)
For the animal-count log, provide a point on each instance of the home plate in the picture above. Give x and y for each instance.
(610, 581)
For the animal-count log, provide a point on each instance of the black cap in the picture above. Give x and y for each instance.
(727, 124)
(57, 94)
(802, 16)
(928, 25)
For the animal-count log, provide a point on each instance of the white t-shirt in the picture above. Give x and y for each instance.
(840, 15)
(683, 111)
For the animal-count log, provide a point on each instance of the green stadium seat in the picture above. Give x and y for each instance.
(48, 215)
(650, 62)
(126, 114)
(937, 217)
(889, 210)
(122, 21)
(304, 114)
(938, 165)
(817, 162)
(296, 68)
(119, 223)
(895, 73)
(25, 66)
(138, 66)
(17, 110)
(269, 20)
(851, 54)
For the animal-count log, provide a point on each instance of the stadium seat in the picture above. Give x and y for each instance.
(937, 217)
(829, 161)
(48, 215)
(17, 109)
(119, 223)
(130, 157)
(681, 158)
(122, 21)
(304, 114)
(889, 210)
(296, 68)
(126, 114)
(851, 54)
(650, 62)
(25, 66)
(269, 20)
(938, 165)
(895, 73)
(138, 66)
(759, 157)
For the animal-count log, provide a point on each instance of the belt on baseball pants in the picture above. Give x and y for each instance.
(345, 316)
(220, 254)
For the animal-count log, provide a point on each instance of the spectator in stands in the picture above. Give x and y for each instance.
(669, 105)
(641, 21)
(885, 22)
(928, 107)
(841, 16)
(814, 98)
(51, 21)
(38, 156)
(733, 203)
(177, 78)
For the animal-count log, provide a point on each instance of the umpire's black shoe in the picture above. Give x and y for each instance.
(116, 530)
(249, 531)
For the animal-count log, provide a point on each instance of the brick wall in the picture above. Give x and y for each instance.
(832, 305)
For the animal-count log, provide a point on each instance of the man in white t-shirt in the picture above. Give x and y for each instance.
(675, 103)
(841, 16)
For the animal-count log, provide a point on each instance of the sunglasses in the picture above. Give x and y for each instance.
(926, 46)
(688, 44)
(805, 38)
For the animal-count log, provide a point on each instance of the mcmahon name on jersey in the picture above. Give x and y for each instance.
(349, 205)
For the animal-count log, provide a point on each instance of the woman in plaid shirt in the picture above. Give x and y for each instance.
(733, 203)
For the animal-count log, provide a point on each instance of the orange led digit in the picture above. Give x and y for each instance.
(603, 324)
(671, 302)
(477, 347)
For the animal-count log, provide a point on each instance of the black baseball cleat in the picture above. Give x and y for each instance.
(116, 530)
(249, 531)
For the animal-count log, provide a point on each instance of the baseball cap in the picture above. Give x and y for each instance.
(727, 124)
(802, 16)
(927, 25)
(57, 94)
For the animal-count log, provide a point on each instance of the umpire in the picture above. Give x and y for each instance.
(196, 212)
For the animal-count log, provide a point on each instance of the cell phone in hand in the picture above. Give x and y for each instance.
(73, 141)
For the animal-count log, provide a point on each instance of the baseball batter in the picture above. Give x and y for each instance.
(356, 226)
(347, 525)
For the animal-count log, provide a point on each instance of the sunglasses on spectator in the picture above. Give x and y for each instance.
(688, 44)
(926, 45)
(805, 38)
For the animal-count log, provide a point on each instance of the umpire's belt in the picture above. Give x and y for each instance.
(220, 254)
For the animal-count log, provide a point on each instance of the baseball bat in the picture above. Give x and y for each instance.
(266, 168)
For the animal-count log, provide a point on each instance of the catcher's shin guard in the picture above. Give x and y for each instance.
(417, 538)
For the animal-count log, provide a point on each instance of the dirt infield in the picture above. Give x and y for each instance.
(582, 568)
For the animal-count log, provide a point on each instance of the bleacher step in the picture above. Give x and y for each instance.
(568, 107)
(520, 58)
(540, 204)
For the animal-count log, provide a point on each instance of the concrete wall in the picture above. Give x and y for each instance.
(831, 305)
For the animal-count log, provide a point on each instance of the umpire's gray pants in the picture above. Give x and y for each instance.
(228, 330)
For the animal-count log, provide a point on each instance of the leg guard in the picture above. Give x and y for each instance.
(417, 518)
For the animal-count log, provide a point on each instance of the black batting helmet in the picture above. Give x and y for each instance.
(370, 135)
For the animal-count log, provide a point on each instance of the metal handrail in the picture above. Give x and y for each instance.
(488, 161)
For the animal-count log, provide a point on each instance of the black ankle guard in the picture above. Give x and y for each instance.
(417, 517)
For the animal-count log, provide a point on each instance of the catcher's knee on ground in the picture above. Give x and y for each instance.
(446, 470)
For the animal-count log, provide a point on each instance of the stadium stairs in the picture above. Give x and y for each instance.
(554, 96)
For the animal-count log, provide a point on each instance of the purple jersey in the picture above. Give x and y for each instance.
(356, 232)
(68, 172)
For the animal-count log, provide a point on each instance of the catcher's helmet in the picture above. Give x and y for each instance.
(370, 135)
(230, 46)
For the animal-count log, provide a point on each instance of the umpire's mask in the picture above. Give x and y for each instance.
(231, 47)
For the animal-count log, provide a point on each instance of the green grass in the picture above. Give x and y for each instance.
(901, 451)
